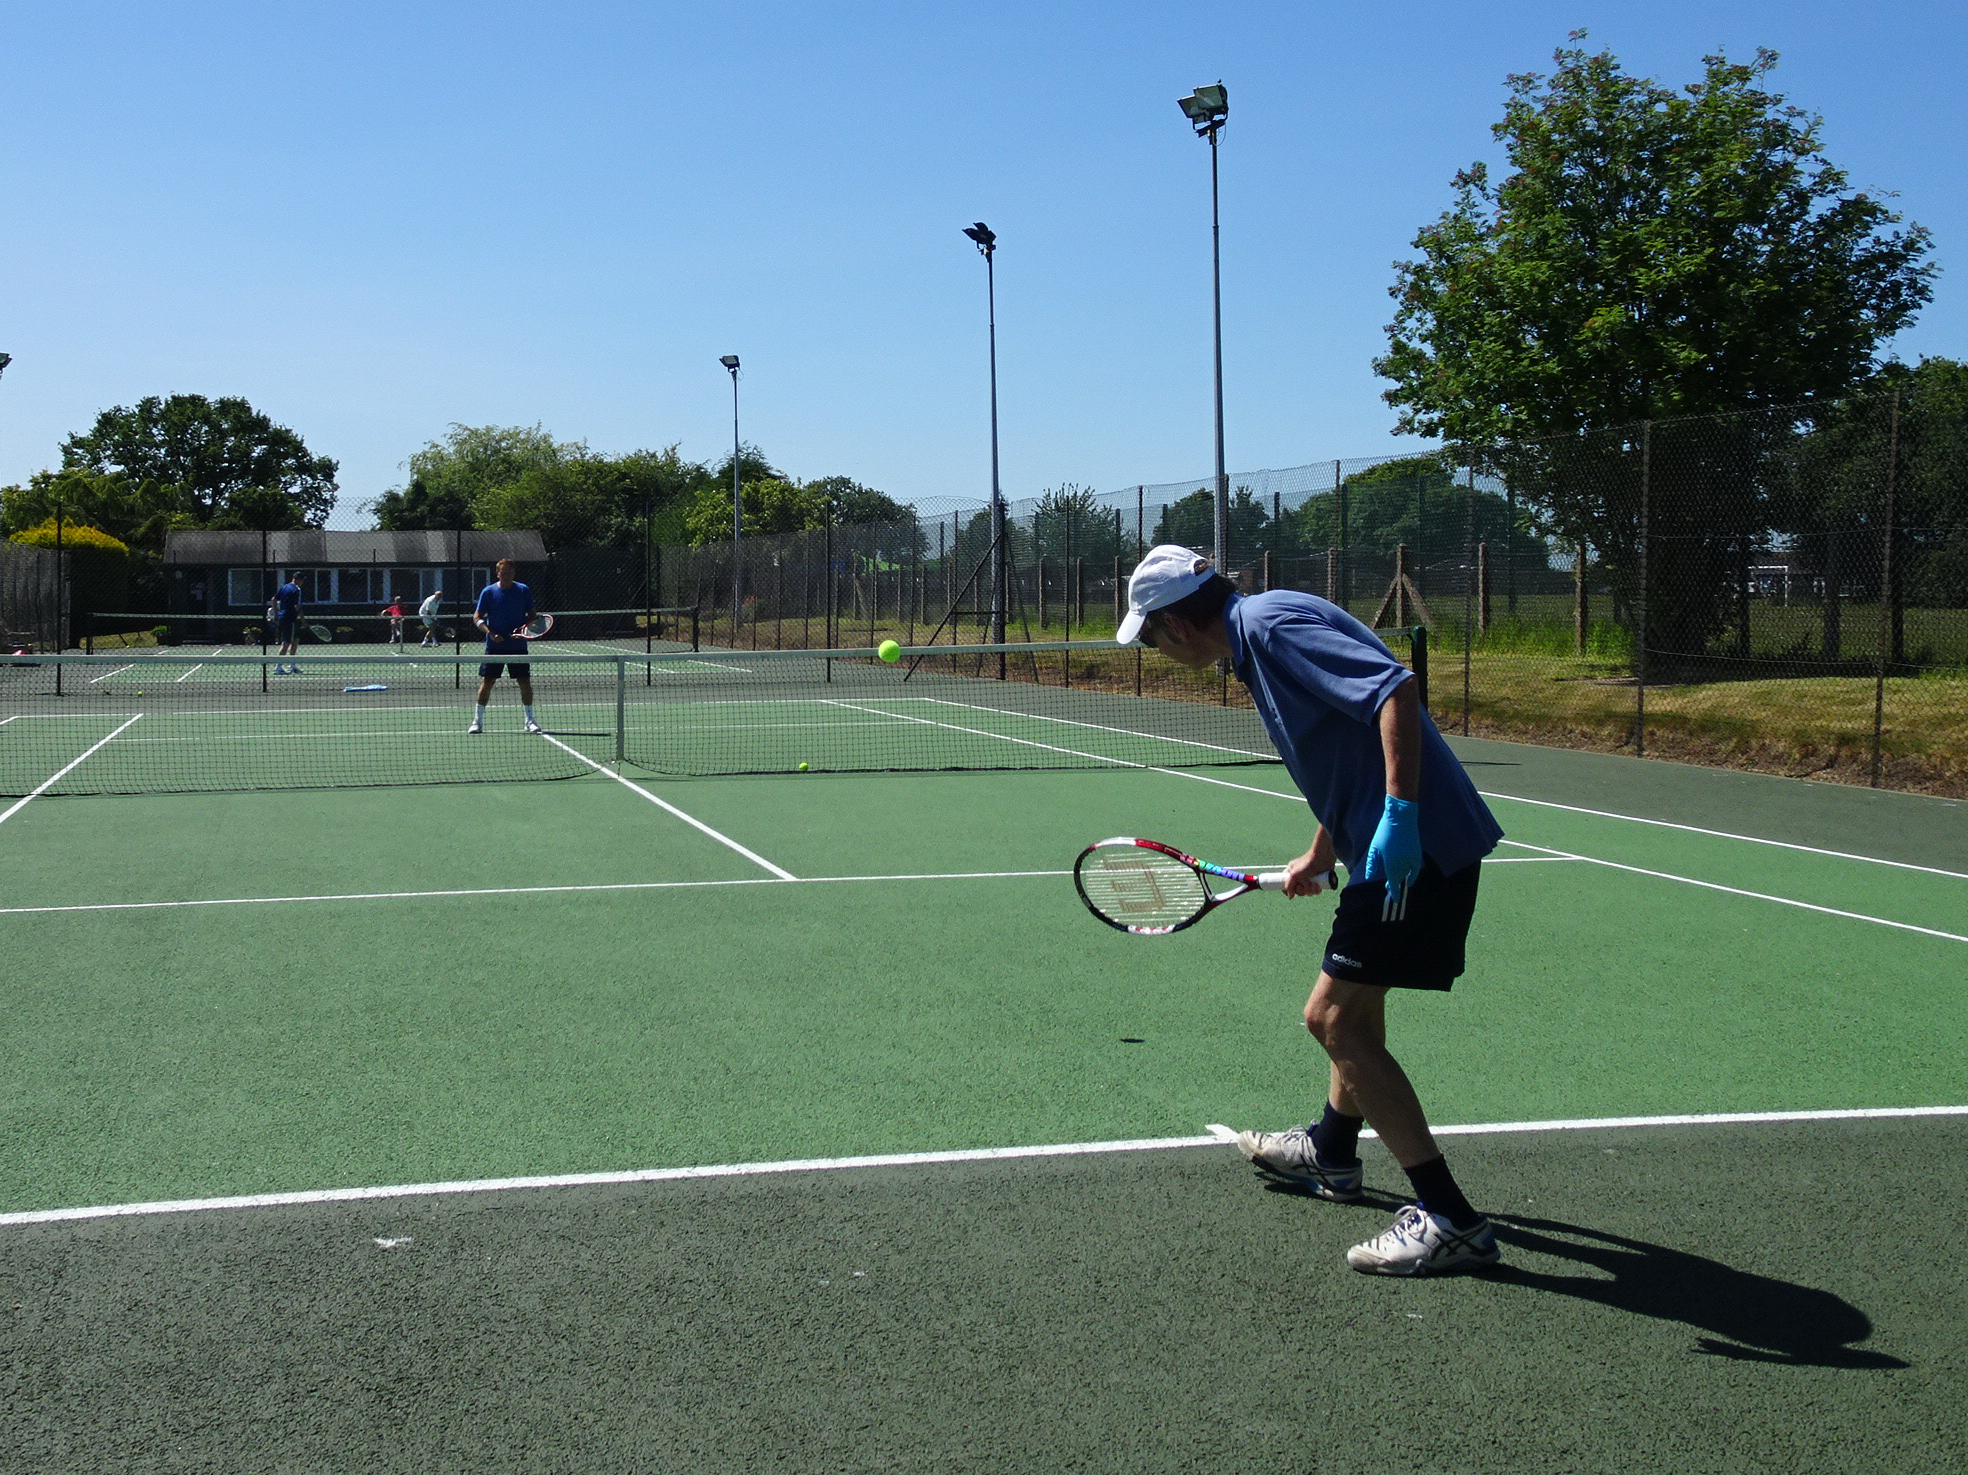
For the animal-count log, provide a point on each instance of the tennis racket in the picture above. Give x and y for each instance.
(321, 633)
(1151, 889)
(537, 628)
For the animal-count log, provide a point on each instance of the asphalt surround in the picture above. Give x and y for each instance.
(1778, 1297)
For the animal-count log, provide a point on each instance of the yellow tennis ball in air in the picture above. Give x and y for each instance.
(889, 651)
(802, 765)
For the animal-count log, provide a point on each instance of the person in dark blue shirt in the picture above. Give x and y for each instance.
(502, 612)
(287, 624)
(1394, 806)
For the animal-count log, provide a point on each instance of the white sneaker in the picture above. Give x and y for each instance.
(1421, 1243)
(1288, 1157)
(472, 729)
(534, 727)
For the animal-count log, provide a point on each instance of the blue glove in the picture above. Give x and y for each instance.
(1394, 853)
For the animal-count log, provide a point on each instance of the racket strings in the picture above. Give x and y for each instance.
(1141, 887)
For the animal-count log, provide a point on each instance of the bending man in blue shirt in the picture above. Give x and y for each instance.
(1394, 806)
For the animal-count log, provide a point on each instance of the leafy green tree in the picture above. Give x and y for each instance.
(448, 476)
(1829, 494)
(211, 451)
(135, 513)
(260, 510)
(416, 508)
(771, 505)
(584, 499)
(1417, 500)
(1191, 523)
(1070, 523)
(1650, 254)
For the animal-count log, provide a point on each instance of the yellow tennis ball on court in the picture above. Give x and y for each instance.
(802, 765)
(889, 651)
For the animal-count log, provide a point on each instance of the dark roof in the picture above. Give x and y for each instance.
(304, 546)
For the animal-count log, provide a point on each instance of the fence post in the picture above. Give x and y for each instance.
(1888, 626)
(1078, 604)
(1581, 613)
(1120, 594)
(1332, 575)
(1468, 595)
(1483, 586)
(1266, 575)
(1640, 615)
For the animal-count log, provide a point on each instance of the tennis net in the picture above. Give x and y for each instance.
(160, 721)
(607, 631)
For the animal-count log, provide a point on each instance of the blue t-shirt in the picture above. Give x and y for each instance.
(1317, 677)
(287, 600)
(504, 610)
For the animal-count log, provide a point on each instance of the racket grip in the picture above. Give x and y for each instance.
(1275, 880)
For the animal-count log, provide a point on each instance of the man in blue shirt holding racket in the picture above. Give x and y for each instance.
(1394, 806)
(287, 624)
(503, 610)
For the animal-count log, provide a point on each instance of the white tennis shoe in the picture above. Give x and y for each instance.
(534, 727)
(1288, 1156)
(472, 729)
(1421, 1243)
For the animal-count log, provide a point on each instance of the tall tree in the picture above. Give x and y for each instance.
(448, 476)
(1652, 254)
(210, 451)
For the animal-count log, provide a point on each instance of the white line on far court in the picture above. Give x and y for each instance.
(1217, 1135)
(697, 824)
(255, 901)
(1808, 906)
(1664, 824)
(49, 782)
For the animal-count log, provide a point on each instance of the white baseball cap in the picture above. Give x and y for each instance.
(1168, 573)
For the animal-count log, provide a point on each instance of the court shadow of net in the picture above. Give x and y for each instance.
(1753, 1318)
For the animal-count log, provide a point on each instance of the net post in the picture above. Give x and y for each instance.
(621, 706)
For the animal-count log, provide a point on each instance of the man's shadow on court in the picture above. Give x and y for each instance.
(1753, 1318)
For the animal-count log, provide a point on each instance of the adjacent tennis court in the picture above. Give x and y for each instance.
(807, 1121)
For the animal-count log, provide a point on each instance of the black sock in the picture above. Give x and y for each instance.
(1336, 1137)
(1436, 1191)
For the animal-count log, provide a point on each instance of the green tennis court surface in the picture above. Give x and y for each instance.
(224, 995)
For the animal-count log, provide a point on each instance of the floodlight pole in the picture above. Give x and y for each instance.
(730, 361)
(1207, 108)
(987, 242)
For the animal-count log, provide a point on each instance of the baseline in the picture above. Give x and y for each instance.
(1216, 1135)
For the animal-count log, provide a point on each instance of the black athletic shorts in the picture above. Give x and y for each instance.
(518, 670)
(1423, 950)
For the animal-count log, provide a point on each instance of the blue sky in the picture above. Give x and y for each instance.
(375, 220)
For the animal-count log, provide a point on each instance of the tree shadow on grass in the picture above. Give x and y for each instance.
(1754, 1318)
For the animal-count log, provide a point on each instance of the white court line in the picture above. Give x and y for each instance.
(1642, 871)
(697, 824)
(1217, 1135)
(1807, 906)
(117, 672)
(242, 901)
(1133, 732)
(50, 781)
(190, 669)
(1727, 835)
